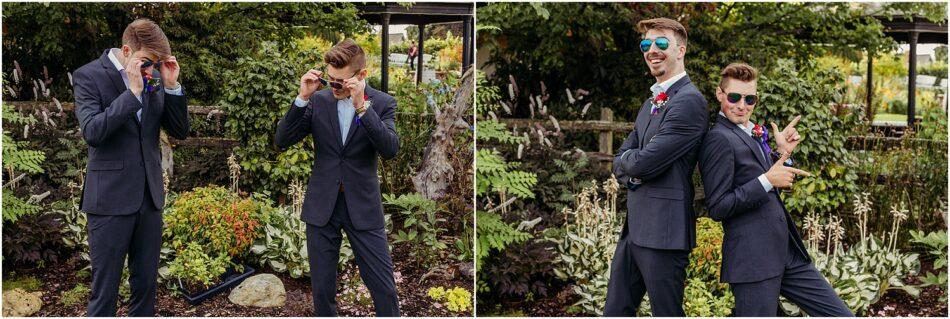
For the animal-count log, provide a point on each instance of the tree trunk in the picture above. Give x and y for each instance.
(436, 172)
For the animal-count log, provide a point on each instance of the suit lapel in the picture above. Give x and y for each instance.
(747, 140)
(643, 121)
(369, 93)
(113, 73)
(648, 129)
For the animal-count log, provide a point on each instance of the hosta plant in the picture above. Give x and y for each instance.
(283, 247)
(585, 253)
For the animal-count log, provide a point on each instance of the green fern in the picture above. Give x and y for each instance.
(494, 233)
(16, 159)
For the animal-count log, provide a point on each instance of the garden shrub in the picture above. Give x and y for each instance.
(209, 229)
(798, 88)
(216, 219)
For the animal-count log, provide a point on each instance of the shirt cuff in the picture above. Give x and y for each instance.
(300, 103)
(176, 91)
(765, 183)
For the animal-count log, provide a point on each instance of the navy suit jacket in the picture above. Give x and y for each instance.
(663, 153)
(757, 227)
(354, 164)
(124, 154)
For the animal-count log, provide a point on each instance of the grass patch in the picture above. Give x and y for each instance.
(893, 117)
(75, 296)
(27, 283)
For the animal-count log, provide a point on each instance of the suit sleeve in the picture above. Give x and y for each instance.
(98, 124)
(175, 118)
(294, 126)
(680, 132)
(717, 165)
(382, 129)
(629, 144)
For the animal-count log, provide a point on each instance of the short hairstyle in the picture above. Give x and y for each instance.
(738, 71)
(664, 24)
(344, 54)
(143, 34)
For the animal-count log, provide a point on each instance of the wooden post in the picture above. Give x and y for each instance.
(912, 81)
(420, 65)
(384, 64)
(606, 137)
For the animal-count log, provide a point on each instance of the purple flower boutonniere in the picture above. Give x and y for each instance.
(150, 83)
(762, 135)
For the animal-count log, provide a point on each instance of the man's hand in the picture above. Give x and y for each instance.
(357, 88)
(170, 70)
(309, 83)
(787, 140)
(133, 70)
(781, 176)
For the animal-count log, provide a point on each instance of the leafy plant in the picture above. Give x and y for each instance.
(33, 240)
(457, 299)
(587, 248)
(18, 160)
(420, 225)
(936, 245)
(195, 266)
(283, 247)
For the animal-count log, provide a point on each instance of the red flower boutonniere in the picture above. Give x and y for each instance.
(762, 135)
(658, 102)
(150, 83)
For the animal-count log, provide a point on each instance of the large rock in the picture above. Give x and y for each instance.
(19, 303)
(264, 290)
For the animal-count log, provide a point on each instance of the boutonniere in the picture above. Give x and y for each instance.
(658, 102)
(150, 83)
(762, 135)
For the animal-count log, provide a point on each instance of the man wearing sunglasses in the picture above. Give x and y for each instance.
(762, 254)
(656, 164)
(351, 125)
(122, 100)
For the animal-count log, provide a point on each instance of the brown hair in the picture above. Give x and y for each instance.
(345, 53)
(738, 71)
(664, 24)
(143, 34)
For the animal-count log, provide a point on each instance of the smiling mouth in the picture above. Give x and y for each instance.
(655, 60)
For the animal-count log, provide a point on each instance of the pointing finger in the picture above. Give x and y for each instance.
(799, 172)
(794, 122)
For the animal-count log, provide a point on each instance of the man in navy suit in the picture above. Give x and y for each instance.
(656, 163)
(120, 112)
(762, 254)
(351, 125)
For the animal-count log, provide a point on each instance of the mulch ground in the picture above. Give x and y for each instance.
(897, 303)
(413, 298)
(894, 303)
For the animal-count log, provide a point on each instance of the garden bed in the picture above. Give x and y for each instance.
(413, 300)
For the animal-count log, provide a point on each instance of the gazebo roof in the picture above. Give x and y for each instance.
(417, 13)
(900, 27)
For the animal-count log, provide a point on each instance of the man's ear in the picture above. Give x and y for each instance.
(363, 74)
(126, 51)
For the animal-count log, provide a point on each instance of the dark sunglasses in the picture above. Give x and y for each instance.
(149, 63)
(662, 43)
(735, 97)
(335, 84)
